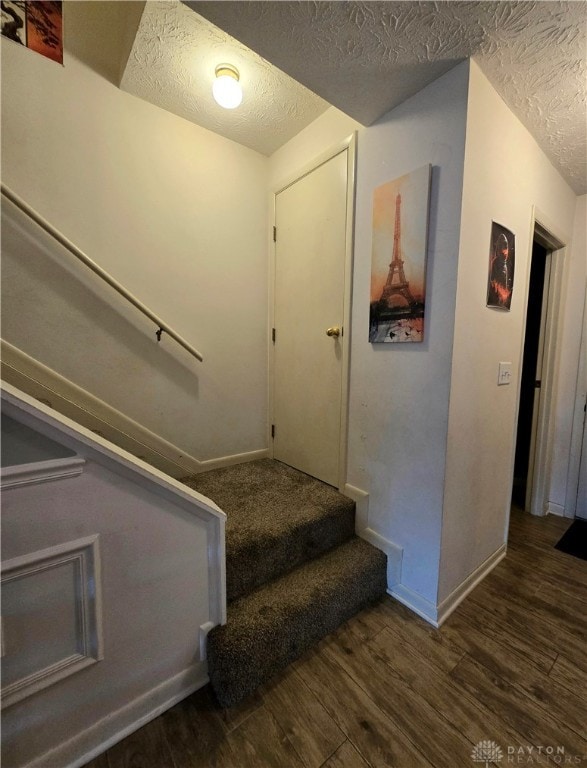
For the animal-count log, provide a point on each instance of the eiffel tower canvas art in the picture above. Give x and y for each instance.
(398, 269)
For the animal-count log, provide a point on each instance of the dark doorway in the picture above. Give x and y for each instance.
(529, 368)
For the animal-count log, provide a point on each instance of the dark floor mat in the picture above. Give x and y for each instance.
(574, 542)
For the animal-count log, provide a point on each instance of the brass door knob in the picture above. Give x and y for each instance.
(334, 331)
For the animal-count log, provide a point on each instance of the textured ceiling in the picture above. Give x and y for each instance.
(367, 57)
(172, 65)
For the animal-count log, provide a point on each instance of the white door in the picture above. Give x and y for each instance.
(310, 257)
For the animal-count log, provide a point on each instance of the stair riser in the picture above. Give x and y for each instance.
(250, 567)
(240, 658)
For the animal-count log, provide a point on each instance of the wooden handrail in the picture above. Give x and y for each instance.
(73, 249)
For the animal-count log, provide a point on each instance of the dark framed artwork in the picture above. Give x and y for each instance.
(502, 262)
(398, 260)
(34, 24)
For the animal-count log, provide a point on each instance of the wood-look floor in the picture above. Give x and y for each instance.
(509, 665)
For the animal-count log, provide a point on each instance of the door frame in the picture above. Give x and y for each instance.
(347, 145)
(579, 424)
(538, 395)
(542, 442)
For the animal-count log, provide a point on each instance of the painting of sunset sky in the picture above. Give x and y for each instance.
(398, 266)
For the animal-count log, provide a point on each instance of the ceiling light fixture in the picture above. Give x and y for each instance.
(226, 88)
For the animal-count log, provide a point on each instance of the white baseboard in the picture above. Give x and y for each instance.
(90, 743)
(416, 603)
(437, 614)
(393, 552)
(555, 509)
(361, 499)
(447, 606)
(48, 386)
(228, 461)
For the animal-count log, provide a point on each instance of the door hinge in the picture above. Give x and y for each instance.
(537, 384)
(274, 234)
(273, 335)
(273, 430)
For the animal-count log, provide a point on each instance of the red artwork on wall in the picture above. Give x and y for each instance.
(502, 254)
(34, 24)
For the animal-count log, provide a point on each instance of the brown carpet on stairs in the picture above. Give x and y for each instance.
(294, 570)
(277, 519)
(276, 624)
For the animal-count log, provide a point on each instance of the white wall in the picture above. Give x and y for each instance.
(399, 394)
(505, 175)
(176, 213)
(328, 130)
(154, 579)
(22, 445)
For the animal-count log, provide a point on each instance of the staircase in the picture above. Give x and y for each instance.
(295, 570)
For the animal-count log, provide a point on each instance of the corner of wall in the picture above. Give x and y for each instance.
(482, 417)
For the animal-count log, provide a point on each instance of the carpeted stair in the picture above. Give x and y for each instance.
(294, 569)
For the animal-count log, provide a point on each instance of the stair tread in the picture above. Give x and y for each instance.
(274, 625)
(266, 497)
(277, 518)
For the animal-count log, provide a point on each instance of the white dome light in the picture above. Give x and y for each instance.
(226, 89)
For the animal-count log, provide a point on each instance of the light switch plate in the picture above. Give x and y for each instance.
(504, 375)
